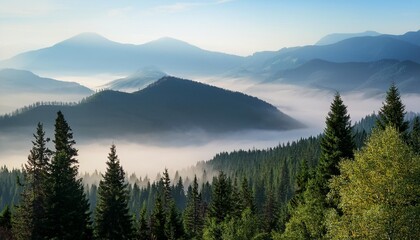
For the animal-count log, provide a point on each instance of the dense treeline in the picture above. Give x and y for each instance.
(346, 183)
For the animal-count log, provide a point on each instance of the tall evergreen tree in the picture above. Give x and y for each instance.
(157, 220)
(173, 224)
(415, 135)
(307, 219)
(67, 206)
(336, 144)
(193, 214)
(6, 223)
(221, 200)
(30, 216)
(247, 196)
(393, 112)
(113, 220)
(143, 229)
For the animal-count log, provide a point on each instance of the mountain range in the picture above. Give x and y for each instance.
(13, 81)
(168, 105)
(91, 53)
(353, 76)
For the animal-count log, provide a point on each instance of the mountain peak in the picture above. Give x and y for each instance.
(169, 43)
(86, 38)
(337, 37)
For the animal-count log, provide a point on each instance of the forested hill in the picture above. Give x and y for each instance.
(170, 104)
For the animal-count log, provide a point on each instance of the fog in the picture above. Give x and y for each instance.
(310, 106)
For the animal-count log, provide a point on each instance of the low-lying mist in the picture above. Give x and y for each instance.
(149, 155)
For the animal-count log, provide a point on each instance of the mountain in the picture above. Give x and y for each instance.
(337, 37)
(136, 81)
(411, 37)
(168, 105)
(20, 81)
(350, 76)
(92, 53)
(356, 49)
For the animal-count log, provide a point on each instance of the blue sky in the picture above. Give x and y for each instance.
(234, 26)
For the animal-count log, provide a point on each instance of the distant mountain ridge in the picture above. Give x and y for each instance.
(337, 37)
(92, 53)
(352, 76)
(21, 81)
(168, 105)
(135, 81)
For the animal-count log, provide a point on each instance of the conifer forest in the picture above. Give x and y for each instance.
(358, 181)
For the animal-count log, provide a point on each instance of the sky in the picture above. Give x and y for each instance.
(239, 27)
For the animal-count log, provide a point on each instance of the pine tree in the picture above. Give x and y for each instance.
(247, 197)
(112, 218)
(221, 201)
(393, 112)
(307, 219)
(193, 214)
(6, 223)
(336, 144)
(157, 220)
(67, 206)
(173, 224)
(270, 212)
(143, 229)
(30, 217)
(415, 135)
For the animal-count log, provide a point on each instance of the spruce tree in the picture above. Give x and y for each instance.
(393, 112)
(336, 143)
(415, 135)
(307, 219)
(221, 200)
(193, 214)
(6, 223)
(112, 218)
(143, 228)
(30, 216)
(247, 197)
(67, 206)
(158, 219)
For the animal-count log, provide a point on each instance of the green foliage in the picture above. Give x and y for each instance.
(221, 204)
(240, 228)
(378, 191)
(6, 223)
(336, 143)
(67, 207)
(194, 212)
(143, 227)
(112, 219)
(308, 213)
(30, 216)
(393, 112)
(157, 220)
(415, 135)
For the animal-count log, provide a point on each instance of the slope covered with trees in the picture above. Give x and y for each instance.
(325, 187)
(168, 105)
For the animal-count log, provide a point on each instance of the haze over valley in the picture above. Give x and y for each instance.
(138, 105)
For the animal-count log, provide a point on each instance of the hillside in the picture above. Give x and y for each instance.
(168, 105)
(135, 81)
(20, 81)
